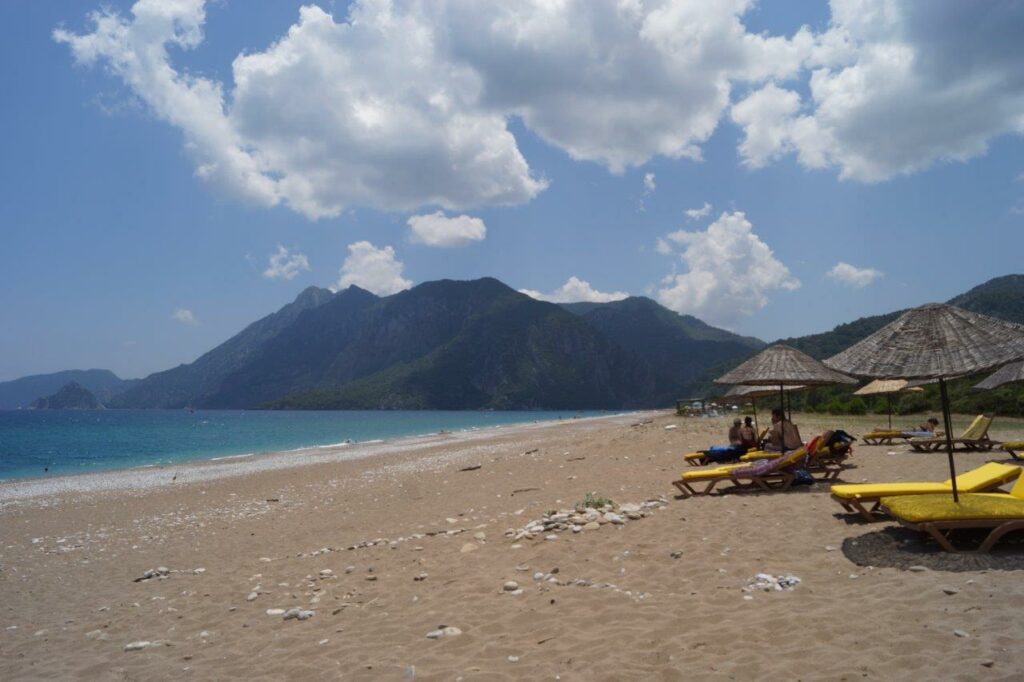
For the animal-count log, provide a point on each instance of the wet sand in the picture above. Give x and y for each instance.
(388, 546)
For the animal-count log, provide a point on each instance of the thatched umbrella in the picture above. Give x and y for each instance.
(742, 393)
(887, 387)
(1004, 375)
(935, 341)
(783, 366)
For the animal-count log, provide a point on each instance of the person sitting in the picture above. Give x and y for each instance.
(731, 452)
(735, 438)
(784, 435)
(748, 436)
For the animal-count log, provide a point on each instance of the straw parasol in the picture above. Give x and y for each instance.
(1004, 375)
(782, 366)
(741, 393)
(887, 387)
(935, 341)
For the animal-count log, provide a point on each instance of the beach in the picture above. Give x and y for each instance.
(169, 573)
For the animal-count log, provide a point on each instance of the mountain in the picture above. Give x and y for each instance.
(1002, 297)
(447, 345)
(474, 345)
(71, 396)
(103, 383)
(679, 348)
(192, 384)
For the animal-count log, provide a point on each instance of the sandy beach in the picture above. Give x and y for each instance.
(376, 546)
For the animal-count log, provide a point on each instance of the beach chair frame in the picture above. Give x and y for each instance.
(980, 444)
(940, 531)
(773, 481)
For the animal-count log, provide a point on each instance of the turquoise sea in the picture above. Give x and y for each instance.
(59, 442)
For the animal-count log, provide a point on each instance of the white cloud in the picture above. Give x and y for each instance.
(698, 213)
(185, 316)
(858, 278)
(369, 111)
(896, 86)
(397, 105)
(730, 272)
(437, 229)
(663, 247)
(373, 269)
(285, 264)
(649, 183)
(575, 290)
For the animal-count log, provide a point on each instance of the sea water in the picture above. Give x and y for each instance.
(36, 443)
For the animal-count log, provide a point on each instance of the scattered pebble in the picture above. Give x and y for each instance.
(510, 586)
(251, 596)
(961, 633)
(766, 582)
(918, 569)
(275, 612)
(469, 547)
(950, 591)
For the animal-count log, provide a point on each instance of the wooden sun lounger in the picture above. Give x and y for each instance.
(883, 437)
(1012, 447)
(974, 438)
(939, 516)
(698, 459)
(767, 475)
(856, 497)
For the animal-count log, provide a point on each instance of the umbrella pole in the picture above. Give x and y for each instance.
(947, 419)
(757, 429)
(889, 396)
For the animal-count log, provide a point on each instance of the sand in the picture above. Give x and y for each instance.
(659, 597)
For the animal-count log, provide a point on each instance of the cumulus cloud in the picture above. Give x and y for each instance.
(368, 111)
(730, 272)
(285, 264)
(397, 105)
(895, 87)
(858, 278)
(575, 290)
(698, 213)
(185, 316)
(374, 269)
(437, 229)
(649, 184)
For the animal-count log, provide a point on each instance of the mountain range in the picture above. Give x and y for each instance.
(465, 345)
(447, 345)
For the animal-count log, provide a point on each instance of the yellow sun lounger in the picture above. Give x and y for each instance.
(939, 515)
(768, 474)
(1012, 446)
(854, 496)
(882, 437)
(974, 437)
(698, 458)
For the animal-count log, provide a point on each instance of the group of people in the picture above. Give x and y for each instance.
(783, 435)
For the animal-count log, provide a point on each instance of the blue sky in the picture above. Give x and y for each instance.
(111, 233)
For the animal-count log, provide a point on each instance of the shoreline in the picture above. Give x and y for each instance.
(150, 476)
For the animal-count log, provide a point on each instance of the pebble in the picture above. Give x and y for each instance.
(950, 591)
(592, 525)
(510, 586)
(612, 517)
(251, 596)
(275, 612)
(961, 633)
(918, 569)
(830, 548)
(513, 659)
(988, 663)
(480, 535)
(676, 554)
(551, 537)
(326, 573)
(447, 631)
(420, 578)
(468, 547)
(137, 646)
